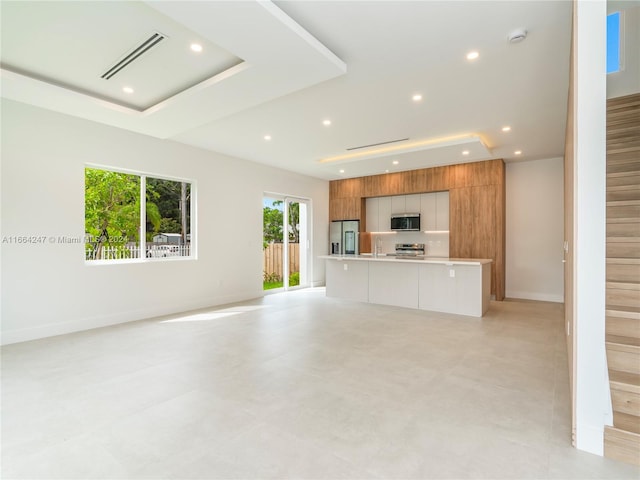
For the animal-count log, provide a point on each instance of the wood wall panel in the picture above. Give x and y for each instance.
(438, 179)
(477, 206)
(473, 226)
(500, 259)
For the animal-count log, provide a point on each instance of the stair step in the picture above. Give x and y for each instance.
(623, 358)
(624, 209)
(622, 312)
(621, 176)
(622, 272)
(629, 248)
(626, 422)
(622, 157)
(615, 180)
(616, 117)
(624, 101)
(624, 286)
(616, 111)
(622, 445)
(624, 381)
(623, 145)
(623, 340)
(627, 230)
(623, 193)
(631, 149)
(623, 203)
(623, 220)
(623, 188)
(615, 132)
(622, 296)
(623, 239)
(624, 331)
(622, 126)
(626, 402)
(622, 163)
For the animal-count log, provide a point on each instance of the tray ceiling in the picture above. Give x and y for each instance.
(279, 71)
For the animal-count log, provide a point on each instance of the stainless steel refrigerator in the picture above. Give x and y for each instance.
(344, 237)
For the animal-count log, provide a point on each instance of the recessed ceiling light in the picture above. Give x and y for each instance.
(267, 137)
(518, 152)
(396, 162)
(386, 171)
(506, 128)
(472, 55)
(465, 152)
(196, 47)
(127, 89)
(326, 123)
(417, 97)
(341, 171)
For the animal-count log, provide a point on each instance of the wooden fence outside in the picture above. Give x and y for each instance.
(273, 258)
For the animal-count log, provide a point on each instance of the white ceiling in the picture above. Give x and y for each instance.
(281, 68)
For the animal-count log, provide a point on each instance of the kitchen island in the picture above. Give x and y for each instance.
(451, 285)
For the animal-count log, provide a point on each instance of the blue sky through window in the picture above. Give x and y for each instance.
(268, 202)
(613, 42)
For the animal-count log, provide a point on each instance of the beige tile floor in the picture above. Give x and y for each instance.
(298, 386)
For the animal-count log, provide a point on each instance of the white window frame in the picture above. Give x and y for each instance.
(142, 240)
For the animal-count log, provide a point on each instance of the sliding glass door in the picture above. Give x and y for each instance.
(286, 242)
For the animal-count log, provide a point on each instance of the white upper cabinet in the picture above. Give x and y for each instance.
(442, 211)
(412, 203)
(384, 214)
(433, 209)
(428, 212)
(398, 204)
(372, 214)
(378, 214)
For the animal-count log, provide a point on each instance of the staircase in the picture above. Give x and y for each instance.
(622, 441)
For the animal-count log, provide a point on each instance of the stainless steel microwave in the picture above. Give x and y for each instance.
(405, 221)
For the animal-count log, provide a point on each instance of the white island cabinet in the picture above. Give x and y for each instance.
(460, 286)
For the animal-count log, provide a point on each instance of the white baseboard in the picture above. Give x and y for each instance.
(541, 297)
(88, 323)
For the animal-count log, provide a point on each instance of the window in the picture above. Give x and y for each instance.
(613, 42)
(134, 216)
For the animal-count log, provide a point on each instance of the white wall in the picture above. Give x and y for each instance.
(535, 230)
(47, 289)
(592, 396)
(627, 80)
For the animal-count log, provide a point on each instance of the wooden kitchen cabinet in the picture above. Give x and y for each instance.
(473, 209)
(345, 208)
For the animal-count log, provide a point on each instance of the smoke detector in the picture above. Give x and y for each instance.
(517, 36)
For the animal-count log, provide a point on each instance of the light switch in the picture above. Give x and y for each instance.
(452, 273)
(346, 266)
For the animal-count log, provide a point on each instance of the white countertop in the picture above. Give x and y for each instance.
(407, 259)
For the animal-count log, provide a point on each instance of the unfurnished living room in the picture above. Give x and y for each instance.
(320, 239)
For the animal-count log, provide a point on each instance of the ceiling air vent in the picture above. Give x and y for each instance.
(135, 53)
(378, 144)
